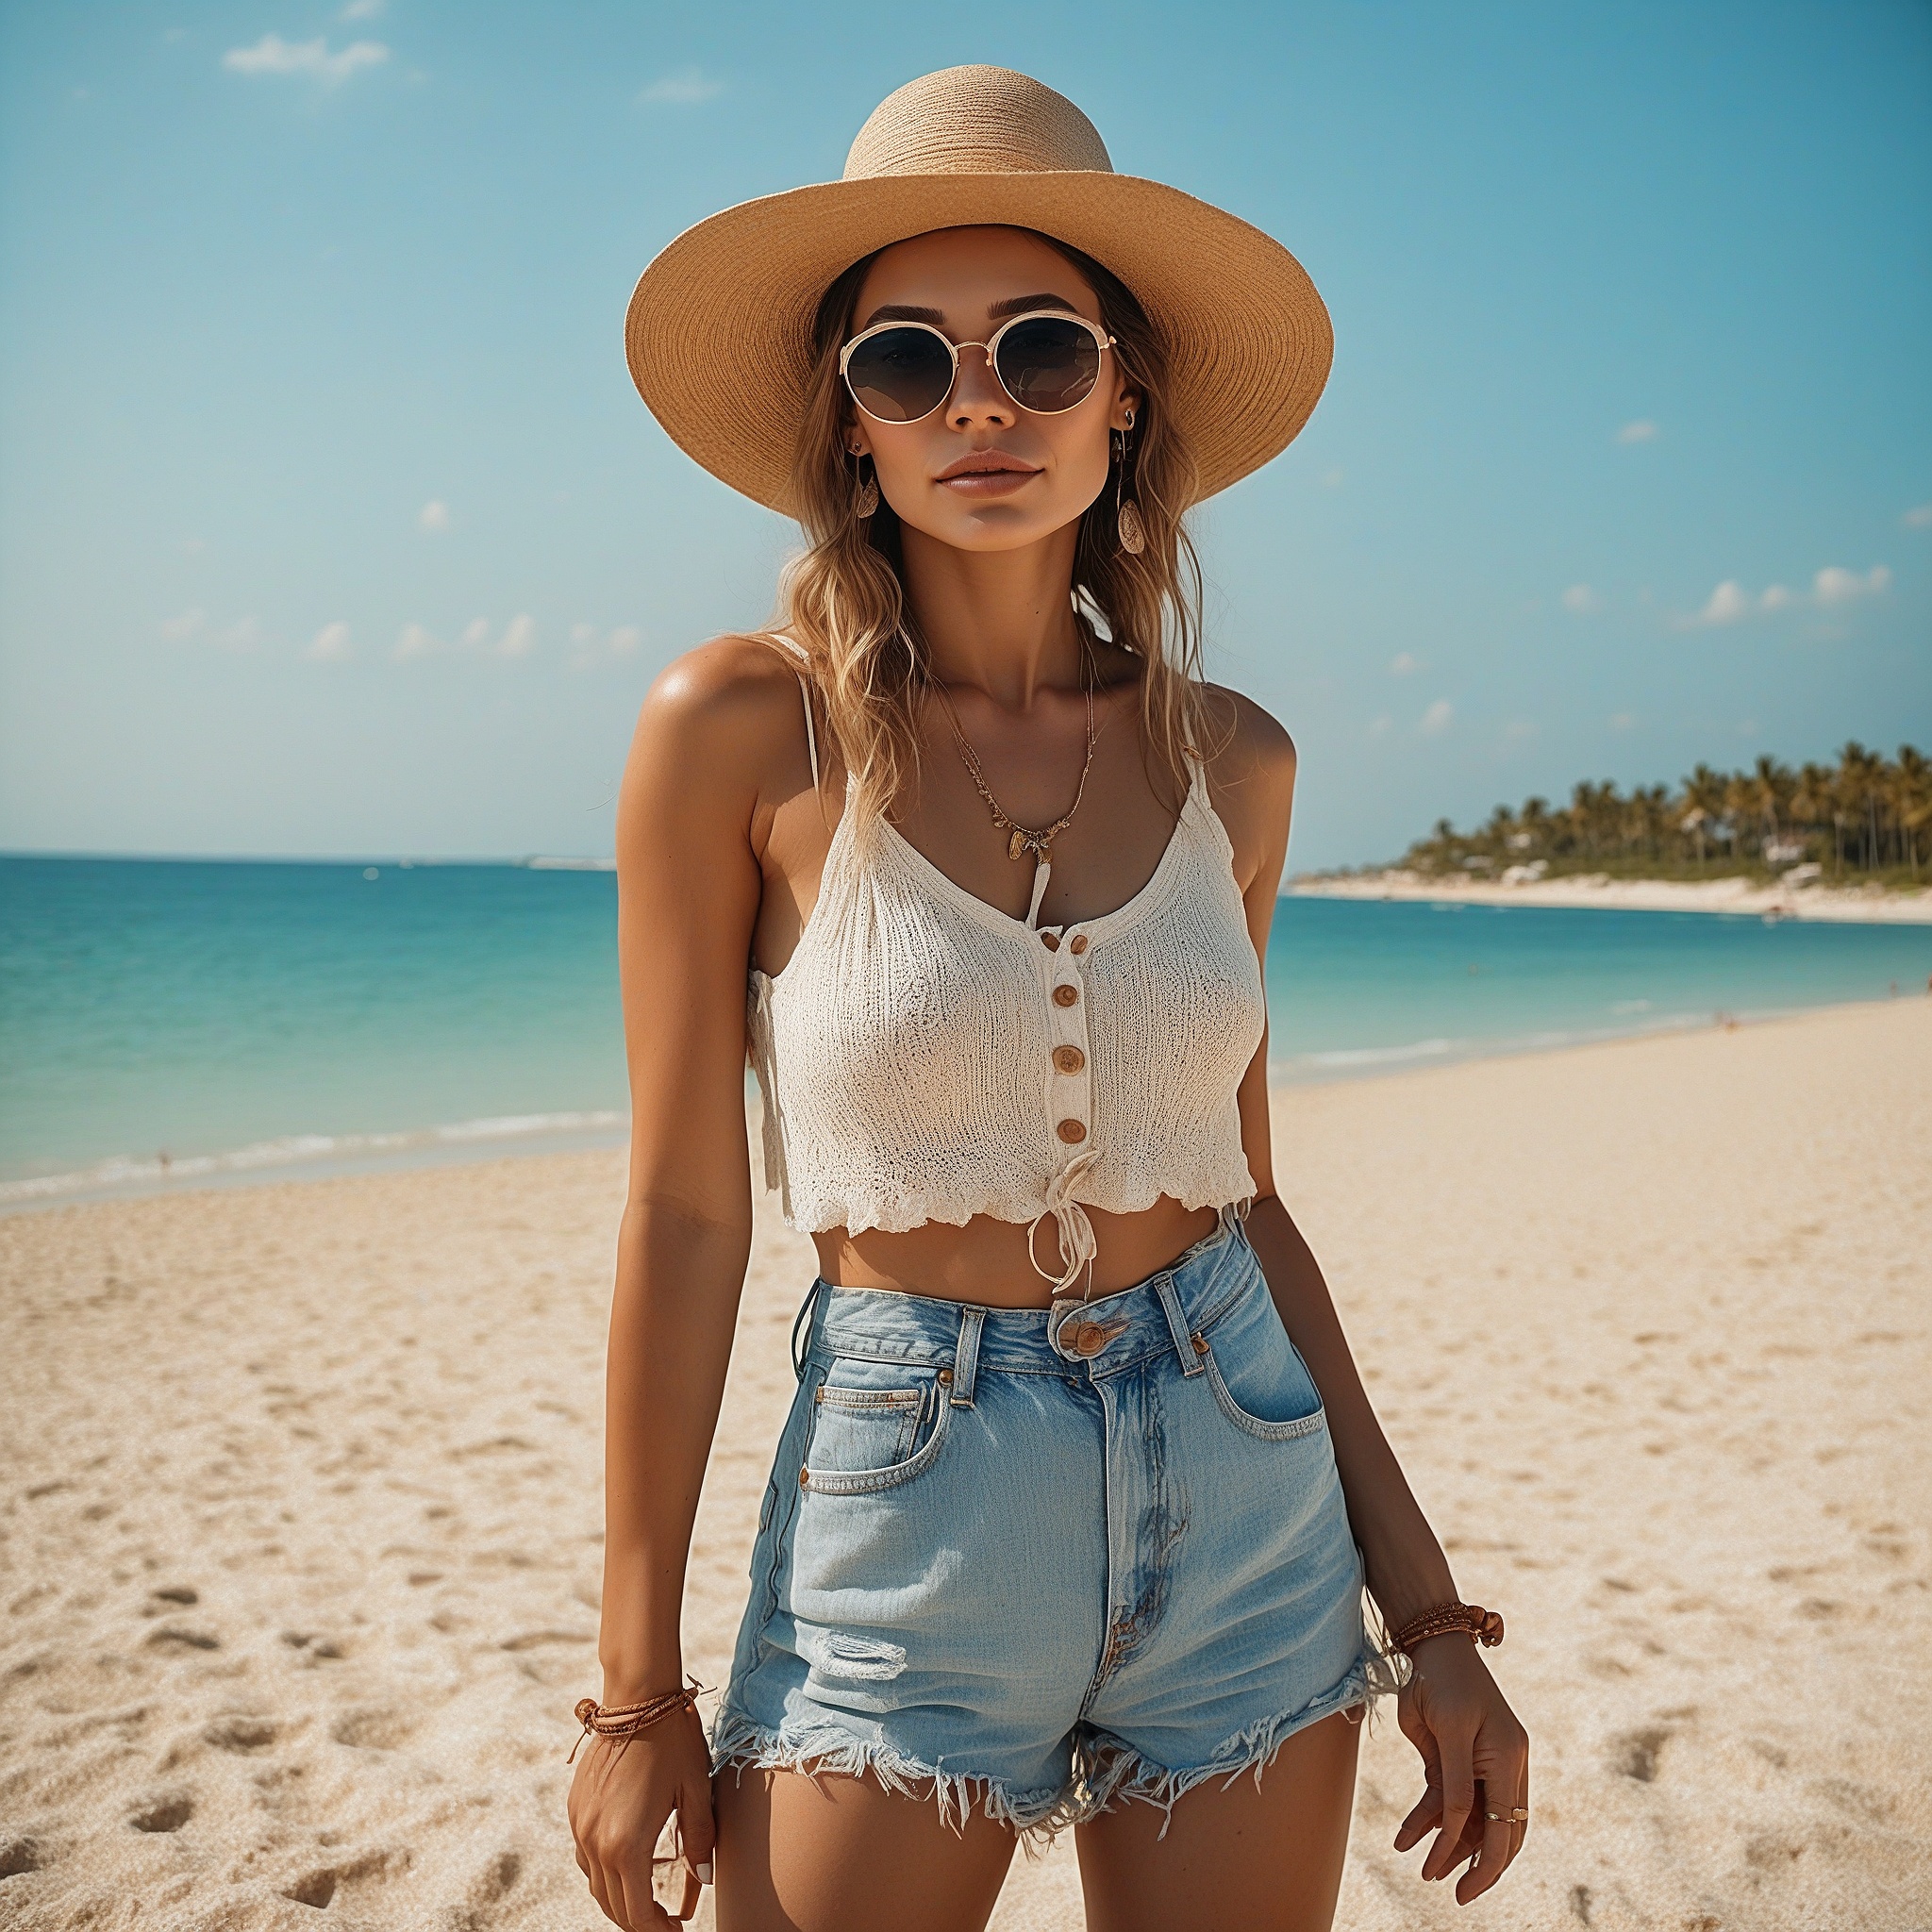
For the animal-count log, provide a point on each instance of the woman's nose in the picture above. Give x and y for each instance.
(978, 398)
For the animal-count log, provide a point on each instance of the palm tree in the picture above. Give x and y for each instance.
(1702, 804)
(1862, 774)
(1911, 794)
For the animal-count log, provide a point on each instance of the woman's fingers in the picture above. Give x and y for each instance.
(1459, 1801)
(1421, 1820)
(600, 1890)
(697, 1828)
(1492, 1859)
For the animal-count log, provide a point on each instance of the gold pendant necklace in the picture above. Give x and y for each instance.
(1021, 839)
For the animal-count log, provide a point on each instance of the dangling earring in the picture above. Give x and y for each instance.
(867, 499)
(1127, 512)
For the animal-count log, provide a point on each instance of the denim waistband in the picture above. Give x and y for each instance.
(1110, 1333)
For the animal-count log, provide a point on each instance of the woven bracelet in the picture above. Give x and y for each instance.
(625, 1721)
(1482, 1626)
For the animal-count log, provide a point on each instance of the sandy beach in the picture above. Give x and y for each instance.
(1853, 905)
(299, 1500)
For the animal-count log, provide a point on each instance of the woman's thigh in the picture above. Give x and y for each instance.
(1264, 1859)
(798, 1854)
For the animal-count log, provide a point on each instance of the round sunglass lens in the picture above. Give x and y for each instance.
(900, 374)
(1048, 363)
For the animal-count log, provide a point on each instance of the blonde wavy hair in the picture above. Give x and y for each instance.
(843, 600)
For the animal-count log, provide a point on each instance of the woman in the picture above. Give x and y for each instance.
(1061, 1529)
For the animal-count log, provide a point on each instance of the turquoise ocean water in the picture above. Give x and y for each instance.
(250, 1019)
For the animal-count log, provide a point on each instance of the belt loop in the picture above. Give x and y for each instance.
(966, 1363)
(801, 1325)
(1177, 1325)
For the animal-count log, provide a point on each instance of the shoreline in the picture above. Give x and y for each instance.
(1597, 892)
(298, 1161)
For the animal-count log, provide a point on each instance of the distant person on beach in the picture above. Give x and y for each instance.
(1074, 1512)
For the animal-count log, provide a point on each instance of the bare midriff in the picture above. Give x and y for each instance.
(985, 1261)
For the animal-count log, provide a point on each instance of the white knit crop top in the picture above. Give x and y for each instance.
(924, 1057)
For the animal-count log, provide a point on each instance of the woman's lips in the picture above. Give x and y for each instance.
(979, 484)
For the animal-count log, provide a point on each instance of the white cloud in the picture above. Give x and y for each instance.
(1517, 730)
(475, 634)
(1380, 725)
(434, 515)
(1436, 719)
(178, 630)
(363, 9)
(1727, 604)
(274, 55)
(1403, 664)
(416, 641)
(1919, 517)
(1622, 721)
(519, 633)
(1331, 479)
(1776, 598)
(1580, 600)
(685, 88)
(625, 639)
(331, 645)
(1643, 430)
(244, 634)
(1834, 586)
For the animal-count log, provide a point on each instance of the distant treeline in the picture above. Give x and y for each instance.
(1868, 815)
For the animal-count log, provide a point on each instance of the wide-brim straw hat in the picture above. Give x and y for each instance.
(719, 334)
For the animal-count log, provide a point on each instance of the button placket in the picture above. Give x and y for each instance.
(1070, 1083)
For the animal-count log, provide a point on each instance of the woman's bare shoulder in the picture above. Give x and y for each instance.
(1247, 747)
(726, 716)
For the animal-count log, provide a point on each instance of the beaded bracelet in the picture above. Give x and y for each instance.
(1482, 1626)
(625, 1721)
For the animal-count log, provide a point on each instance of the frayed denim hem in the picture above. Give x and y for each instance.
(738, 1745)
(1112, 1774)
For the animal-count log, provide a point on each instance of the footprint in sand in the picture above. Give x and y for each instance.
(19, 1855)
(372, 1729)
(163, 1814)
(241, 1733)
(1636, 1753)
(170, 1637)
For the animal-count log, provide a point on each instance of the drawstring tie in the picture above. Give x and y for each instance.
(1079, 1246)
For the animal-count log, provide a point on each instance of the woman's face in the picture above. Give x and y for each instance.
(980, 473)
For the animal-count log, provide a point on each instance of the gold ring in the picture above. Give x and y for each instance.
(1519, 1816)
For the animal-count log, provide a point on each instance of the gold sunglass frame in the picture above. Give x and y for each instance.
(1102, 340)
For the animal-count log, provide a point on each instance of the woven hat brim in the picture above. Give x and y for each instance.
(718, 331)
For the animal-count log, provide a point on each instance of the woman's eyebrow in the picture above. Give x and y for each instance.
(900, 312)
(996, 311)
(1019, 305)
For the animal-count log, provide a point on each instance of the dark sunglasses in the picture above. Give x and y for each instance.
(1047, 362)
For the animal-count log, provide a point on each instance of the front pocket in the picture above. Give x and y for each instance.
(866, 1439)
(1257, 1374)
(1257, 1425)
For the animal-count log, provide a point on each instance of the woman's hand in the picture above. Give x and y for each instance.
(1475, 1757)
(624, 1791)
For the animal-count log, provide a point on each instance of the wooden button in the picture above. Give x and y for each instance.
(1051, 940)
(1066, 995)
(1077, 944)
(1068, 1060)
(1072, 1132)
(1088, 1339)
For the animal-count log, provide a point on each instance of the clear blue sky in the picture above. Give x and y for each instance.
(329, 520)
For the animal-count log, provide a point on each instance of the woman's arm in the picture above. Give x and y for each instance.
(689, 821)
(1452, 1710)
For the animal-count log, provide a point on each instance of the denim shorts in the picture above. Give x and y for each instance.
(1038, 1562)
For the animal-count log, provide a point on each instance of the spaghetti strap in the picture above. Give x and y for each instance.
(812, 737)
